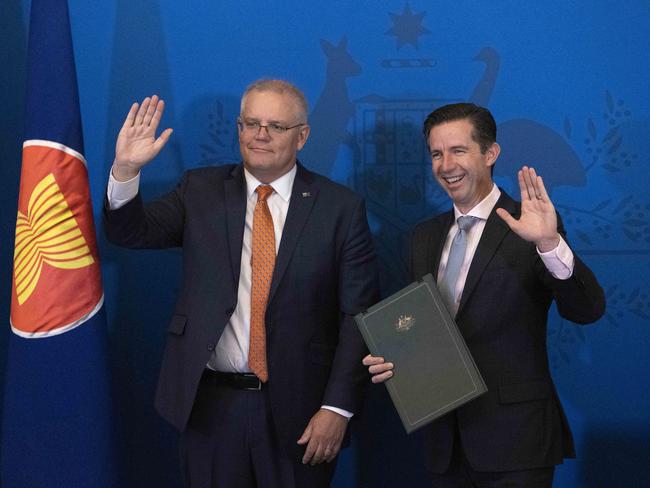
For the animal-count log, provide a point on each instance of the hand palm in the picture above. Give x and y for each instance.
(137, 143)
(538, 220)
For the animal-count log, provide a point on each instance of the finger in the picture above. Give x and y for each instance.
(153, 106)
(507, 218)
(306, 435)
(380, 368)
(529, 177)
(319, 455)
(523, 189)
(527, 192)
(162, 140)
(331, 453)
(142, 111)
(532, 174)
(328, 455)
(380, 378)
(370, 360)
(309, 452)
(542, 189)
(157, 115)
(130, 117)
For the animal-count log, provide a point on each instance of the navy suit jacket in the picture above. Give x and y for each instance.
(519, 423)
(325, 273)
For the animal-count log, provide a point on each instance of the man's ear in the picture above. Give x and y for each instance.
(303, 135)
(492, 154)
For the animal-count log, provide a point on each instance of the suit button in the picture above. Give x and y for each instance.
(210, 347)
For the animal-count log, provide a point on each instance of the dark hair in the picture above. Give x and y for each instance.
(485, 128)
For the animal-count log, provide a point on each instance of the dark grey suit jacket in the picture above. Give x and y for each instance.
(325, 274)
(519, 423)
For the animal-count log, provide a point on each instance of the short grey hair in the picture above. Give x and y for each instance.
(278, 86)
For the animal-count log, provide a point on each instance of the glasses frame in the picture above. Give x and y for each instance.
(272, 128)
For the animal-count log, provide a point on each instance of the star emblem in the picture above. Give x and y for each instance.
(407, 27)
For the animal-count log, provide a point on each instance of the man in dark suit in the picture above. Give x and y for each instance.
(262, 367)
(513, 263)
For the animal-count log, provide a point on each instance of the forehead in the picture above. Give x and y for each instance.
(270, 105)
(454, 133)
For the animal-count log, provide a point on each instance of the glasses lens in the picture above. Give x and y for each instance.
(277, 128)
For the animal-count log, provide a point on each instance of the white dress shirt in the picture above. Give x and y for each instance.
(558, 261)
(231, 353)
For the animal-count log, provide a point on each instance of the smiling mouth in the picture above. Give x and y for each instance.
(260, 149)
(453, 179)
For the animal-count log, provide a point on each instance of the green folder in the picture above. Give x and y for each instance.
(434, 372)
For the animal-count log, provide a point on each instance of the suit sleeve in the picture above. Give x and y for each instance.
(358, 290)
(156, 225)
(579, 298)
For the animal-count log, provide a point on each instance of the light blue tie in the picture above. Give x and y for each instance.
(447, 284)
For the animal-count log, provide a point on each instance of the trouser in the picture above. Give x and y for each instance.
(230, 442)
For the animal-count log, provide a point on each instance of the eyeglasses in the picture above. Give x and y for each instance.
(255, 126)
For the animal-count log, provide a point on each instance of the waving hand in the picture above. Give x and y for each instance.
(538, 221)
(137, 143)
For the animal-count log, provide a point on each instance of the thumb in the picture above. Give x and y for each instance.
(306, 435)
(507, 218)
(162, 140)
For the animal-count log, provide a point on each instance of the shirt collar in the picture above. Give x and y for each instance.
(483, 209)
(282, 186)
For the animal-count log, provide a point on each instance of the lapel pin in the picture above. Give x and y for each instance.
(306, 194)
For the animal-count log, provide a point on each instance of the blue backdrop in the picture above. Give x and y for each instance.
(567, 82)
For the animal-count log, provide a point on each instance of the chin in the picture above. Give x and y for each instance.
(256, 163)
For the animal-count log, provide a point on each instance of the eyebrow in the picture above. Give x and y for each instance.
(281, 122)
(452, 148)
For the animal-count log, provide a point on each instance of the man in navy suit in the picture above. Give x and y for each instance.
(515, 264)
(282, 427)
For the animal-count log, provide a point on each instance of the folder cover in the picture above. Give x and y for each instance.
(434, 372)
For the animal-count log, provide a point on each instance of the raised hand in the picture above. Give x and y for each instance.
(137, 143)
(538, 221)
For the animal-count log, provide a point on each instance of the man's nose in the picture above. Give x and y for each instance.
(447, 161)
(263, 133)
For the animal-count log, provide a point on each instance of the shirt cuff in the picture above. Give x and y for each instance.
(119, 193)
(559, 261)
(340, 411)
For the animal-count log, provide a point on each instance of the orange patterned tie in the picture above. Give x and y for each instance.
(262, 264)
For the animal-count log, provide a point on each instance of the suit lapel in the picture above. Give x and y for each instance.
(235, 195)
(303, 197)
(493, 234)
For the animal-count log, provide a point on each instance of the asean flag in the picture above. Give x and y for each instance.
(57, 418)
